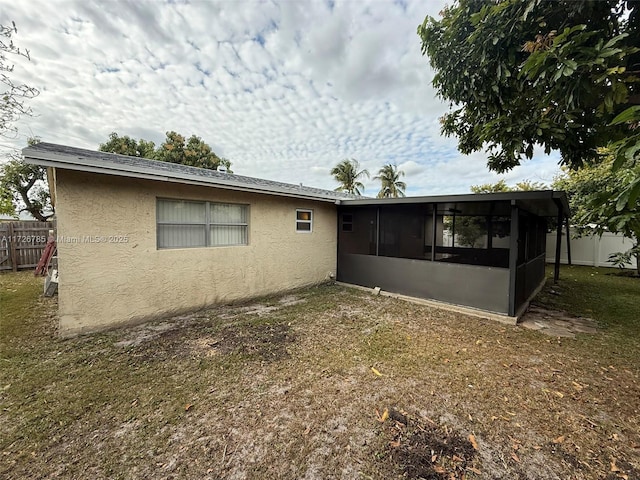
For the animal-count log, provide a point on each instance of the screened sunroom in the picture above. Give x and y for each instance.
(485, 251)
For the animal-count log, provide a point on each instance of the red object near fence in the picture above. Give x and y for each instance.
(49, 251)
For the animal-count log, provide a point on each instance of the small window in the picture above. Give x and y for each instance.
(304, 221)
(347, 222)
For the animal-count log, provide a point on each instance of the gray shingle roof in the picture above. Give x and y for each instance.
(64, 157)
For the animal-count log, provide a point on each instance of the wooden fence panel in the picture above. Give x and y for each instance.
(22, 244)
(5, 249)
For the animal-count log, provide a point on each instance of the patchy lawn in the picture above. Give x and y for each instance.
(298, 387)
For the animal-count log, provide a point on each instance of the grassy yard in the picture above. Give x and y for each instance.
(298, 386)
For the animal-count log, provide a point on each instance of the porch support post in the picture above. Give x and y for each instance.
(377, 231)
(434, 231)
(568, 243)
(490, 228)
(513, 258)
(556, 270)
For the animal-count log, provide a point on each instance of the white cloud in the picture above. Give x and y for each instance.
(285, 90)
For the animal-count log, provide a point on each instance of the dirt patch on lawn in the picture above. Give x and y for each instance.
(265, 342)
(219, 333)
(151, 331)
(556, 322)
(423, 449)
(268, 342)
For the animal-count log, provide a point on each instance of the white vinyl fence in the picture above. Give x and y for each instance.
(590, 249)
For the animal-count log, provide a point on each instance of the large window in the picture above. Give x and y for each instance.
(183, 224)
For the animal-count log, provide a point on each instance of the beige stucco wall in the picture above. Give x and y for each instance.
(109, 283)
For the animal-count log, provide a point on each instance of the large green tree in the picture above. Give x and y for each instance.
(550, 73)
(175, 149)
(23, 188)
(599, 201)
(126, 145)
(348, 174)
(192, 151)
(391, 185)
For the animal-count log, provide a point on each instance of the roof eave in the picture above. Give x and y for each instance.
(58, 161)
(551, 195)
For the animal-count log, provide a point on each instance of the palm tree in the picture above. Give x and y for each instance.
(347, 174)
(389, 176)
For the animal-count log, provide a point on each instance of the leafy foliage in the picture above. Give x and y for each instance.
(604, 198)
(175, 149)
(523, 73)
(14, 96)
(622, 259)
(126, 145)
(193, 152)
(389, 177)
(23, 188)
(501, 186)
(467, 229)
(348, 174)
(529, 186)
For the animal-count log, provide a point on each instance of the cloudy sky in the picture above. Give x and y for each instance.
(284, 89)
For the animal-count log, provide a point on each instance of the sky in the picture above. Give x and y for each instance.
(284, 89)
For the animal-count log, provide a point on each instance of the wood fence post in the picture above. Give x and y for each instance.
(12, 249)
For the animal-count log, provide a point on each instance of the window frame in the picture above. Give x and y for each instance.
(305, 222)
(345, 222)
(207, 223)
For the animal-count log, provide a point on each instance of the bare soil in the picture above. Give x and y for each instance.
(298, 387)
(556, 323)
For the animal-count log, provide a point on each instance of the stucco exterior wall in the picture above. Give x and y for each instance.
(124, 278)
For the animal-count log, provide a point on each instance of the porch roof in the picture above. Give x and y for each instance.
(540, 202)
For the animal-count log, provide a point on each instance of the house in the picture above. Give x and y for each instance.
(140, 239)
